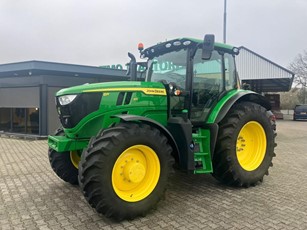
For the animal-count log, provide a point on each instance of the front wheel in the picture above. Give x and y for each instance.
(245, 145)
(124, 172)
(64, 164)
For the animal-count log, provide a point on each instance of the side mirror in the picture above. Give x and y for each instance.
(246, 86)
(208, 46)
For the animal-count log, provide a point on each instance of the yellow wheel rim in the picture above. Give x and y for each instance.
(136, 173)
(75, 158)
(251, 146)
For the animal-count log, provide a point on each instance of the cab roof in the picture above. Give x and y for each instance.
(179, 43)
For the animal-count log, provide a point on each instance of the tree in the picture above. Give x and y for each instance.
(299, 67)
(288, 100)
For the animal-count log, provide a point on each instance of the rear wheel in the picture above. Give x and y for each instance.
(65, 164)
(124, 172)
(245, 146)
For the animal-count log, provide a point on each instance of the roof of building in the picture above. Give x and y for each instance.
(262, 74)
(29, 68)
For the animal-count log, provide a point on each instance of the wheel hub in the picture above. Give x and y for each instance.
(241, 144)
(251, 146)
(136, 173)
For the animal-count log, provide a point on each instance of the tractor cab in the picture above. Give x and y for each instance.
(195, 77)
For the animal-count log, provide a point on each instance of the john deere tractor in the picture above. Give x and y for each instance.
(120, 140)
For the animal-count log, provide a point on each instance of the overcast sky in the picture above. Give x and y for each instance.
(100, 32)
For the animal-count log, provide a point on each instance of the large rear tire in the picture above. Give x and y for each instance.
(64, 164)
(124, 172)
(245, 146)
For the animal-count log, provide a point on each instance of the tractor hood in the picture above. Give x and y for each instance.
(93, 105)
(150, 88)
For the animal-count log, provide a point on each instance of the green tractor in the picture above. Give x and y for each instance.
(121, 140)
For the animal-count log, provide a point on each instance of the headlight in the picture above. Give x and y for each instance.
(66, 99)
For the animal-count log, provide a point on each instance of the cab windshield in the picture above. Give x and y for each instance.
(170, 67)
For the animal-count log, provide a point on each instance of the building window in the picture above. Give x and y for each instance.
(19, 120)
(33, 120)
(5, 119)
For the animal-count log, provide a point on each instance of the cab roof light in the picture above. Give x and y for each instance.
(140, 47)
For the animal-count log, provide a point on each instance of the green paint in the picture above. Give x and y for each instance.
(214, 113)
(119, 85)
(144, 102)
(63, 144)
(202, 158)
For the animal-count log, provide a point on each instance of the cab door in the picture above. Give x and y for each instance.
(210, 79)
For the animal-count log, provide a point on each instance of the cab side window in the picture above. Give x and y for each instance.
(230, 82)
(207, 84)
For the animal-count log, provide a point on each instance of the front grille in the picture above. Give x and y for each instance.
(70, 115)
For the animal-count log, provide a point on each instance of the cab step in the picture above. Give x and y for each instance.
(202, 155)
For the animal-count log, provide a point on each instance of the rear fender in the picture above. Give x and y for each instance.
(240, 97)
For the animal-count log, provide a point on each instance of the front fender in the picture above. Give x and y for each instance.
(146, 120)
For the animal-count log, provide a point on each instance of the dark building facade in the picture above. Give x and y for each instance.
(27, 91)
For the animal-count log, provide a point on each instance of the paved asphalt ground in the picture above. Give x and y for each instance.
(33, 197)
